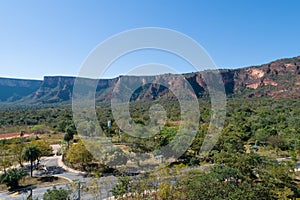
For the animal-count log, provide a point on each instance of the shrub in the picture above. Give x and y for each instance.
(12, 177)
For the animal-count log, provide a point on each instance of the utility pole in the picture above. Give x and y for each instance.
(119, 137)
(78, 191)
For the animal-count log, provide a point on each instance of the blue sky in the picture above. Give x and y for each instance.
(54, 37)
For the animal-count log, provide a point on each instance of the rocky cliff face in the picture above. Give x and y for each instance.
(60, 89)
(280, 78)
(52, 90)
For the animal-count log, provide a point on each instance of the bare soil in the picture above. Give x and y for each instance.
(12, 135)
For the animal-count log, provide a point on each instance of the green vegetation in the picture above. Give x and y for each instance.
(78, 154)
(68, 137)
(242, 164)
(31, 154)
(241, 177)
(12, 177)
(44, 148)
(57, 194)
(122, 186)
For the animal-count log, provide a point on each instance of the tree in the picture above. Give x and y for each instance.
(277, 142)
(284, 193)
(44, 147)
(78, 154)
(12, 177)
(230, 143)
(71, 129)
(17, 150)
(197, 185)
(122, 187)
(31, 154)
(61, 125)
(5, 159)
(68, 137)
(57, 194)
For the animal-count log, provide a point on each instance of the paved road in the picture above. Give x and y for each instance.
(37, 193)
(103, 193)
(53, 168)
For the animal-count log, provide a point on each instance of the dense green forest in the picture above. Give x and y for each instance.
(266, 121)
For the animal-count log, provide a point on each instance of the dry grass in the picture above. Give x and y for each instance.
(52, 138)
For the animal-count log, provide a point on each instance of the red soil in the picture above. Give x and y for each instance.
(12, 135)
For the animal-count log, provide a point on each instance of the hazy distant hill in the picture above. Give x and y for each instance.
(12, 90)
(280, 78)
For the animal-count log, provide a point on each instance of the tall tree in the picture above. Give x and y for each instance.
(68, 137)
(17, 150)
(31, 154)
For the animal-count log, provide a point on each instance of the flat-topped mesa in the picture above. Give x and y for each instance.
(54, 81)
(280, 78)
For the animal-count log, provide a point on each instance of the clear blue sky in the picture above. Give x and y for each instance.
(54, 37)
